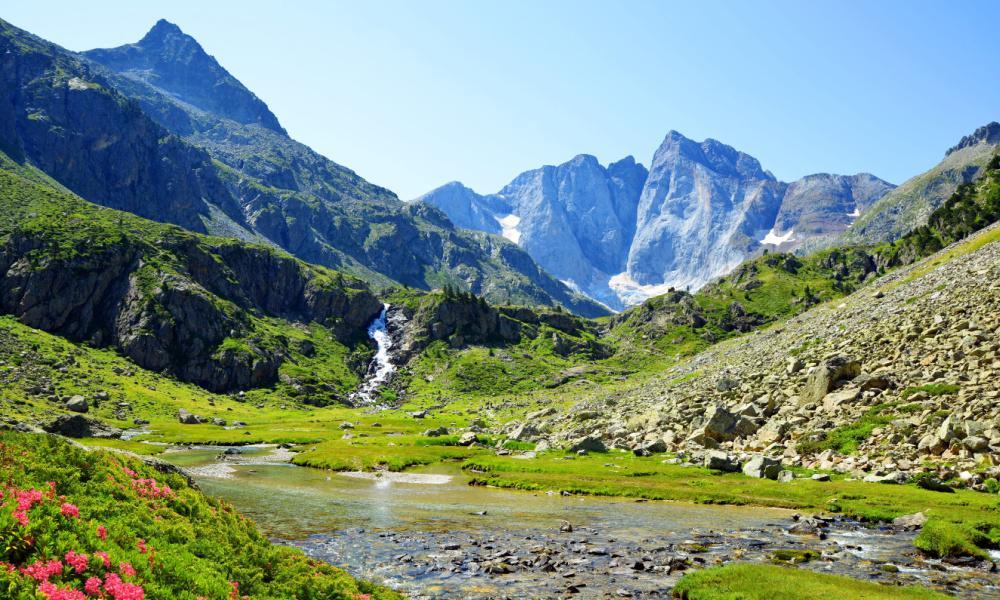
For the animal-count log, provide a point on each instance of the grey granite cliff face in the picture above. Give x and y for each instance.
(700, 212)
(576, 220)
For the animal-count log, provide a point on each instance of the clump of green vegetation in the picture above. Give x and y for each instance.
(941, 539)
(794, 557)
(768, 582)
(933, 389)
(845, 439)
(71, 518)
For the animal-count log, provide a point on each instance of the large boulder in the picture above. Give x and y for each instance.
(78, 426)
(77, 404)
(762, 467)
(825, 377)
(187, 418)
(718, 460)
(589, 443)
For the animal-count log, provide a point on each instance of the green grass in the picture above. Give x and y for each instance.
(933, 389)
(768, 582)
(845, 439)
(180, 543)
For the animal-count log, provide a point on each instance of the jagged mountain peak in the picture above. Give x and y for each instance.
(989, 133)
(711, 153)
(161, 30)
(176, 64)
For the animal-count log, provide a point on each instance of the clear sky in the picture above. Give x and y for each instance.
(415, 94)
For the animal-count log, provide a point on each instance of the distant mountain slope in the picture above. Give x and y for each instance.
(169, 158)
(622, 234)
(909, 205)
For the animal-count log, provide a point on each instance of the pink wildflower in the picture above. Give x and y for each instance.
(126, 569)
(53, 592)
(121, 590)
(41, 571)
(92, 587)
(141, 545)
(102, 532)
(77, 561)
(69, 510)
(104, 557)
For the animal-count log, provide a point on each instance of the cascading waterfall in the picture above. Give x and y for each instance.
(381, 367)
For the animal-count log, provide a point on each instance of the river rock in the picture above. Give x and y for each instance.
(911, 521)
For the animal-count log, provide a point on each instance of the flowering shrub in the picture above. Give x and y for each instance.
(77, 525)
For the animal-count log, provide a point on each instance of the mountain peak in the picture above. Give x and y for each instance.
(161, 29)
(175, 63)
(989, 133)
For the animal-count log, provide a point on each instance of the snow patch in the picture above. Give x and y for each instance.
(631, 292)
(774, 239)
(855, 213)
(509, 225)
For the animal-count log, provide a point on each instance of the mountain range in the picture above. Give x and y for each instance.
(160, 129)
(622, 233)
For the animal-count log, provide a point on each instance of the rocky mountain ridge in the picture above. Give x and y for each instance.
(621, 234)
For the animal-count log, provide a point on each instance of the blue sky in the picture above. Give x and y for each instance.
(414, 94)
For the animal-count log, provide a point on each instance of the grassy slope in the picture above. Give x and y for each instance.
(180, 543)
(768, 582)
(32, 205)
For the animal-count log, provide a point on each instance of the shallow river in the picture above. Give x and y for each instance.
(432, 535)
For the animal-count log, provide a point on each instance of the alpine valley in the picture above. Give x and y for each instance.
(231, 367)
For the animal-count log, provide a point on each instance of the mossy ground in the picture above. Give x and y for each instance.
(767, 582)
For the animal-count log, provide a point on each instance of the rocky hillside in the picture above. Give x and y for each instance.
(622, 234)
(212, 311)
(899, 373)
(258, 183)
(909, 205)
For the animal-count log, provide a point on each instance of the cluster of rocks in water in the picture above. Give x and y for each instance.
(591, 562)
(905, 370)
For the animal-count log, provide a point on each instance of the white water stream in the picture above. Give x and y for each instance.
(381, 367)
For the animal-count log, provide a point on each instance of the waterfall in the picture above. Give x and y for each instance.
(381, 367)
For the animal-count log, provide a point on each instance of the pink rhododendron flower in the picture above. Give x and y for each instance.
(69, 510)
(77, 561)
(126, 569)
(92, 587)
(102, 532)
(104, 557)
(41, 571)
(141, 545)
(121, 590)
(52, 592)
